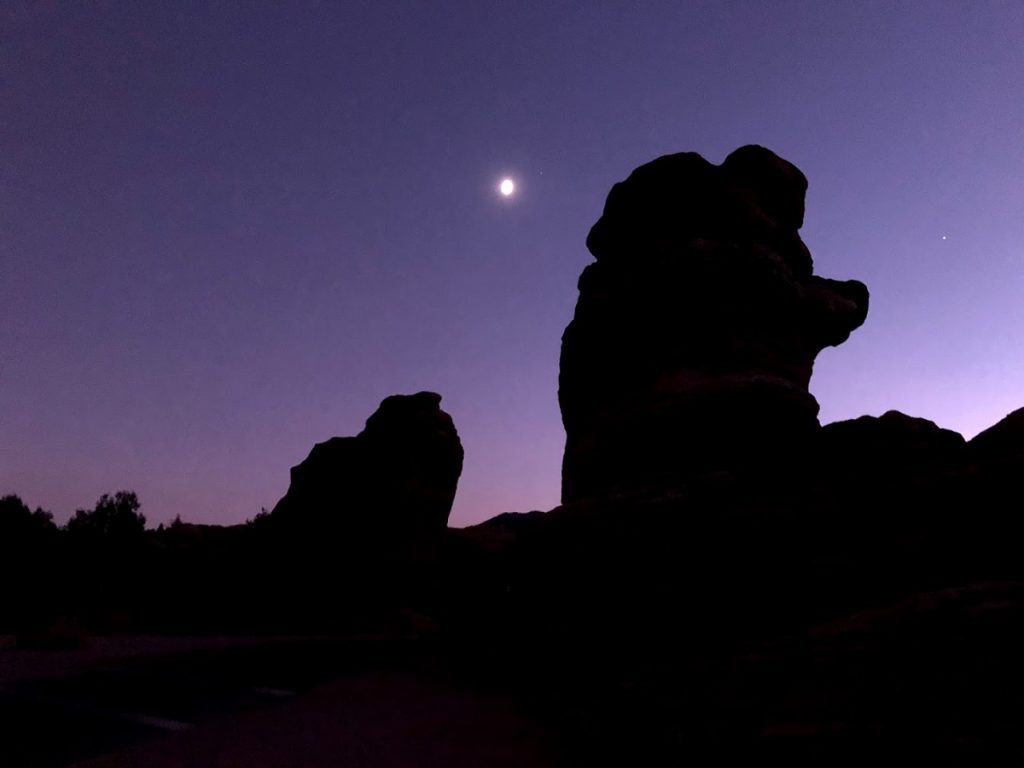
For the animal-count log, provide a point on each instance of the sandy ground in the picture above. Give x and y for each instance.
(382, 719)
(20, 665)
(157, 702)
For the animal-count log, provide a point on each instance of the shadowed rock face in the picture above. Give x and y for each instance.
(398, 476)
(889, 446)
(1003, 441)
(696, 330)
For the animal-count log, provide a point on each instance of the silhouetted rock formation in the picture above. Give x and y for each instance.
(889, 445)
(1003, 441)
(395, 478)
(696, 330)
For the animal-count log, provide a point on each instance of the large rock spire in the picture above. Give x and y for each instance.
(696, 330)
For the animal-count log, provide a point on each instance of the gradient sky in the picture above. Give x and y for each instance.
(228, 230)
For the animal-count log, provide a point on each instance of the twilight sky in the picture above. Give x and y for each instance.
(227, 234)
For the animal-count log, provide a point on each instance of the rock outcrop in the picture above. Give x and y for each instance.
(887, 447)
(696, 330)
(396, 478)
(1003, 441)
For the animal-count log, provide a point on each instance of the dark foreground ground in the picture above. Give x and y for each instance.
(313, 701)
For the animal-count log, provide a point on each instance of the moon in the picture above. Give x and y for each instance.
(507, 187)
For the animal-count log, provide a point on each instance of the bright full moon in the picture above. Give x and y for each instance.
(507, 187)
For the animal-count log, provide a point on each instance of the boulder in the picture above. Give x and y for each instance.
(695, 332)
(397, 477)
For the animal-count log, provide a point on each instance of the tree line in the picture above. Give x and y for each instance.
(114, 516)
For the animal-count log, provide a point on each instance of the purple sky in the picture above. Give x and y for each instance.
(227, 234)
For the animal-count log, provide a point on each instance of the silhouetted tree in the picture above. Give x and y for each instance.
(108, 563)
(114, 518)
(18, 523)
(30, 564)
(260, 518)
